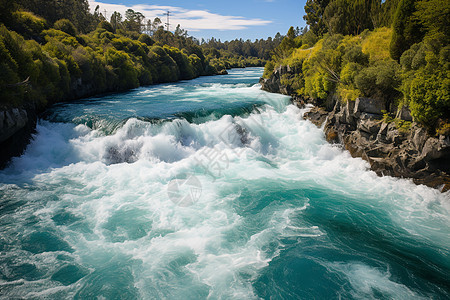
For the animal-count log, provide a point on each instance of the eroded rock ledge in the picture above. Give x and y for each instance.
(358, 126)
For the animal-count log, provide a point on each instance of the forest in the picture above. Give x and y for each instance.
(394, 50)
(57, 50)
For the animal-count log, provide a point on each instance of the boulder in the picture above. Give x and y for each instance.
(369, 124)
(403, 113)
(12, 121)
(367, 105)
(350, 108)
(222, 72)
(382, 133)
(395, 137)
(420, 136)
(433, 149)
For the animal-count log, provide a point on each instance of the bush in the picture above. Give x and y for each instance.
(182, 61)
(355, 55)
(122, 65)
(65, 26)
(146, 39)
(105, 25)
(380, 81)
(28, 25)
(165, 68)
(430, 98)
(376, 44)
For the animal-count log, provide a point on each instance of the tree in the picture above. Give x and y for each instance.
(66, 26)
(116, 20)
(434, 16)
(350, 16)
(134, 21)
(406, 29)
(180, 32)
(156, 24)
(76, 11)
(314, 10)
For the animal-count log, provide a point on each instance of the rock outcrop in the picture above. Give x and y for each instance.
(412, 153)
(359, 127)
(273, 84)
(16, 127)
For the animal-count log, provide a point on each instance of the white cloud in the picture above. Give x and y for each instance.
(192, 20)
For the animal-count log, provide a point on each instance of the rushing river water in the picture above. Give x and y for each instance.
(210, 188)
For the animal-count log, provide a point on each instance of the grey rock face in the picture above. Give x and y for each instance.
(12, 121)
(371, 106)
(273, 84)
(358, 126)
(16, 127)
(414, 154)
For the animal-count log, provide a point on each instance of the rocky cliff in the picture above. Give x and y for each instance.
(390, 148)
(16, 127)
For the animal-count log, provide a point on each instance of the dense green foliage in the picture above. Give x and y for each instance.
(76, 11)
(69, 66)
(348, 16)
(57, 50)
(245, 49)
(407, 29)
(406, 65)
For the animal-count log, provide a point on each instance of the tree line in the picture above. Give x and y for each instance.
(57, 50)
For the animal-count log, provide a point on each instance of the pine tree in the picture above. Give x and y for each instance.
(406, 29)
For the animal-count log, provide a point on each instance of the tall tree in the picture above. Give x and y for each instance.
(314, 10)
(156, 24)
(134, 21)
(406, 28)
(116, 20)
(434, 16)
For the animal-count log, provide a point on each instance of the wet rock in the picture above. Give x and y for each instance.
(273, 83)
(367, 105)
(11, 121)
(316, 115)
(16, 127)
(420, 136)
(434, 149)
(368, 124)
(358, 126)
(412, 154)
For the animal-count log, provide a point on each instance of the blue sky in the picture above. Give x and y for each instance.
(227, 20)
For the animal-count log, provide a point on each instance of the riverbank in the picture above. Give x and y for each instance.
(17, 124)
(399, 148)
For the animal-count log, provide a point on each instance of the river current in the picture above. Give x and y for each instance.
(210, 189)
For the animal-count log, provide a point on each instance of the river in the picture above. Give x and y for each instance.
(210, 188)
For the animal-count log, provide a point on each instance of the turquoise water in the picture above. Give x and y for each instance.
(213, 189)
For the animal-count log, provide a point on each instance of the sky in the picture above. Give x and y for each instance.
(225, 20)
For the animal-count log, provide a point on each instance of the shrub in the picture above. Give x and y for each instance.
(380, 80)
(123, 68)
(105, 25)
(146, 39)
(376, 44)
(268, 69)
(429, 97)
(28, 24)
(65, 26)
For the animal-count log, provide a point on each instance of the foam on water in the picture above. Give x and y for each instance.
(87, 213)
